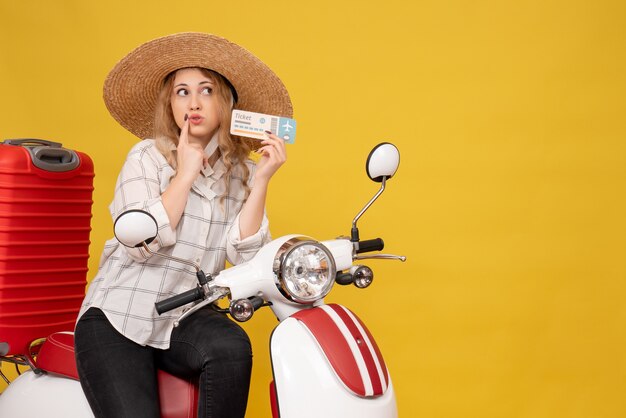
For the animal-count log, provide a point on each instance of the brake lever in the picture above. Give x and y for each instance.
(219, 293)
(380, 256)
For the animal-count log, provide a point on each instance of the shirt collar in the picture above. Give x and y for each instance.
(218, 168)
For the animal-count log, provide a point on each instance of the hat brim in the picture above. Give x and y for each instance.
(132, 87)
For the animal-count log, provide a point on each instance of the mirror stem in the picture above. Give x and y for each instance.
(169, 257)
(355, 231)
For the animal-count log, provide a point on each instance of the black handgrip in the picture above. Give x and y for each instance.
(368, 245)
(178, 300)
(344, 278)
(256, 301)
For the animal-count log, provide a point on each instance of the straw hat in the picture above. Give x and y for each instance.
(132, 86)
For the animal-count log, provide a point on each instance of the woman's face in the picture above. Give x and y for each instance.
(192, 95)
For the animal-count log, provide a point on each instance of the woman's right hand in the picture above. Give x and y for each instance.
(190, 158)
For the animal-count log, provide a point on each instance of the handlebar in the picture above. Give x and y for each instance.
(376, 244)
(174, 302)
(257, 302)
(344, 279)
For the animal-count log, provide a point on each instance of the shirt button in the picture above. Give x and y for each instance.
(197, 260)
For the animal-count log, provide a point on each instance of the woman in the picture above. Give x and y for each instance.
(208, 200)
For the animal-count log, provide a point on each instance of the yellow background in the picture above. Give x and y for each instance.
(509, 201)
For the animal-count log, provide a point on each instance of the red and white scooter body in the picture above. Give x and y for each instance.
(325, 361)
(326, 364)
(47, 395)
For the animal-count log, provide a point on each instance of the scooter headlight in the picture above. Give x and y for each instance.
(305, 270)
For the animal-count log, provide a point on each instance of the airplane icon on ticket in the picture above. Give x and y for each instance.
(287, 126)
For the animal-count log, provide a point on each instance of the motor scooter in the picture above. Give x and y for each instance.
(325, 361)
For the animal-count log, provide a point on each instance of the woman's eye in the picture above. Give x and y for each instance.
(207, 90)
(182, 92)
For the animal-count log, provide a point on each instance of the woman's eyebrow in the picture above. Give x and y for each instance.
(200, 83)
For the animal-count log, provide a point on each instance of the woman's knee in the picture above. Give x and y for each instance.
(240, 344)
(232, 345)
(209, 338)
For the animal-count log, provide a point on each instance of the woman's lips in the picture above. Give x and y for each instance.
(195, 119)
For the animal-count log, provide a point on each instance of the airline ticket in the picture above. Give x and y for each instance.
(254, 125)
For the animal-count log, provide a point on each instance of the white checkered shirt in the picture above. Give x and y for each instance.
(129, 281)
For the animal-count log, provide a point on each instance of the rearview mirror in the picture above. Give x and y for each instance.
(383, 161)
(135, 227)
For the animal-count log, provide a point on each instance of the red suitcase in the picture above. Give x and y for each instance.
(45, 216)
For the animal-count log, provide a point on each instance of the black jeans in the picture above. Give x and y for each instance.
(118, 376)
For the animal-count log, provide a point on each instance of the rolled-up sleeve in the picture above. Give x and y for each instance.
(240, 250)
(139, 187)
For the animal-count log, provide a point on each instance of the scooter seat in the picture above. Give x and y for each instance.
(178, 397)
(56, 355)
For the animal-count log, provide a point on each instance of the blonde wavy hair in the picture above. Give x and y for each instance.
(234, 153)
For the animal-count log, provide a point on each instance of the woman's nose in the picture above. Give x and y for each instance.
(194, 104)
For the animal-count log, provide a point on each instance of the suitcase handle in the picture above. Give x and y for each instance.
(32, 142)
(47, 155)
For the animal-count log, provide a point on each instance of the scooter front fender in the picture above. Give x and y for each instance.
(308, 386)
